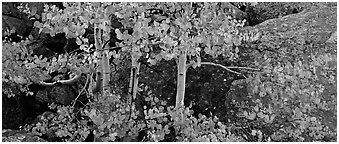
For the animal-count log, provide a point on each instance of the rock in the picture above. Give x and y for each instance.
(333, 38)
(263, 11)
(235, 12)
(13, 19)
(15, 109)
(9, 8)
(14, 24)
(59, 94)
(12, 113)
(40, 49)
(301, 42)
(313, 26)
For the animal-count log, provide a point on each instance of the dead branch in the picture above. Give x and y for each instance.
(61, 82)
(224, 67)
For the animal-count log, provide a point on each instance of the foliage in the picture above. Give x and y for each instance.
(120, 125)
(65, 125)
(290, 94)
(22, 68)
(15, 57)
(184, 32)
(286, 101)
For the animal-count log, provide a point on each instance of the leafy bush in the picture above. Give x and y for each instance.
(160, 123)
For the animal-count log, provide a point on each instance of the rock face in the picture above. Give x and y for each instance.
(262, 11)
(298, 54)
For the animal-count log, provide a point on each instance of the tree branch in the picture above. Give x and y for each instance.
(235, 67)
(62, 82)
(224, 67)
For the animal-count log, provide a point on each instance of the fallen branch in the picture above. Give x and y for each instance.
(61, 82)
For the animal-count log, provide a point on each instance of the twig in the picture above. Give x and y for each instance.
(87, 81)
(224, 67)
(235, 67)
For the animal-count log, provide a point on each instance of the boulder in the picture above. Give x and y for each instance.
(12, 113)
(14, 21)
(313, 25)
(297, 57)
(59, 94)
(15, 109)
(263, 11)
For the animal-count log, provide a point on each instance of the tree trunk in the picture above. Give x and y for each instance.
(181, 79)
(106, 73)
(99, 71)
(133, 84)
